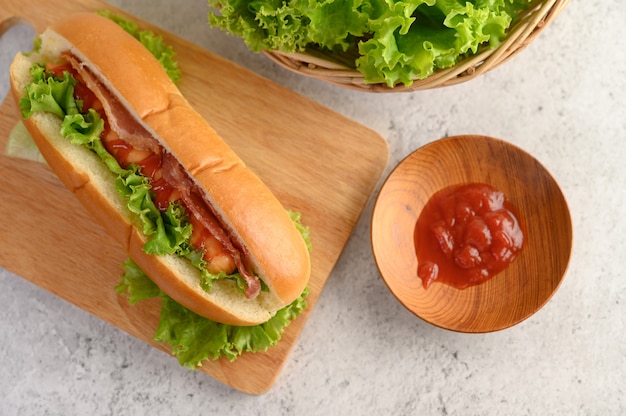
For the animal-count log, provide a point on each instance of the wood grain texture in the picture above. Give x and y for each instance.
(509, 297)
(298, 147)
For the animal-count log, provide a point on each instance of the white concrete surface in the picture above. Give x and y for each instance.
(563, 99)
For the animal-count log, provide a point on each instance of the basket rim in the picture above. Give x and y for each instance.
(523, 32)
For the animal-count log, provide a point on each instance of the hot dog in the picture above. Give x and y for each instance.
(222, 244)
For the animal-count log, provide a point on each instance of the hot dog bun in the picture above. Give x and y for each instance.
(248, 209)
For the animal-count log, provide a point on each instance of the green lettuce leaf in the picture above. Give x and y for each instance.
(193, 338)
(48, 94)
(296, 218)
(393, 41)
(135, 285)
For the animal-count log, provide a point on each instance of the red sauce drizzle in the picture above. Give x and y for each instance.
(150, 164)
(465, 235)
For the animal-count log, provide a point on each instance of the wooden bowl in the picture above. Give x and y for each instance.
(515, 293)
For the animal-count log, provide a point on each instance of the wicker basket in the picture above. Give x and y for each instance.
(329, 68)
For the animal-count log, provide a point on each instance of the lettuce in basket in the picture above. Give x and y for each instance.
(389, 41)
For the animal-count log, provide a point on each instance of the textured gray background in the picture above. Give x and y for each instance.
(361, 352)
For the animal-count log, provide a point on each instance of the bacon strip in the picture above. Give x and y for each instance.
(120, 120)
(178, 178)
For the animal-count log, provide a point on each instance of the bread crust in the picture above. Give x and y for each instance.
(250, 211)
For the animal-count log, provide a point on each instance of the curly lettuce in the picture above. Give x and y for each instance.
(49, 94)
(193, 338)
(391, 41)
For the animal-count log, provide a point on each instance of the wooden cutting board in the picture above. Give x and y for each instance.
(315, 160)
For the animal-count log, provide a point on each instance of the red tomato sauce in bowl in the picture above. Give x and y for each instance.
(465, 235)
